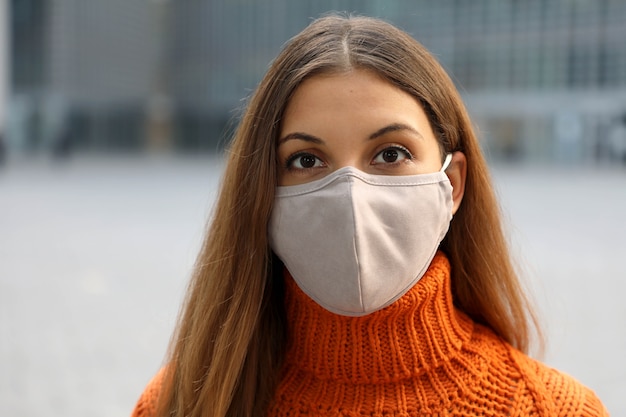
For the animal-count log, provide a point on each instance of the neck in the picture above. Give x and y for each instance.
(420, 331)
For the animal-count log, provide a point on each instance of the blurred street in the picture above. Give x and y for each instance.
(95, 254)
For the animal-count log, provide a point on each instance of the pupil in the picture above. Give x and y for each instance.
(307, 161)
(390, 155)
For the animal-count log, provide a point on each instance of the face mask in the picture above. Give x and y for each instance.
(356, 242)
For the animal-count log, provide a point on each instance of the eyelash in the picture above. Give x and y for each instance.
(401, 148)
(288, 163)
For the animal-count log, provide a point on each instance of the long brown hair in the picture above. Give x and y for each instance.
(225, 354)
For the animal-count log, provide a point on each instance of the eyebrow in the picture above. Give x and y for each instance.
(394, 127)
(301, 136)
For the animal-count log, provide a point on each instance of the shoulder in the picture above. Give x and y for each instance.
(147, 404)
(561, 393)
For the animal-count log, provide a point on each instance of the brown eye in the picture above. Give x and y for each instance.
(307, 161)
(392, 154)
(303, 161)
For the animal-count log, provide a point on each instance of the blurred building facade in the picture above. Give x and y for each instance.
(83, 72)
(543, 79)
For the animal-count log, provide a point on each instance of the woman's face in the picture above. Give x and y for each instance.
(354, 119)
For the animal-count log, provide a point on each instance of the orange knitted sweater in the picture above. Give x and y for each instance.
(418, 357)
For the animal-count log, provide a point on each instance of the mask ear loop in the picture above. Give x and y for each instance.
(446, 162)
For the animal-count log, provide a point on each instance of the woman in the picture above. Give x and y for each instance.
(333, 279)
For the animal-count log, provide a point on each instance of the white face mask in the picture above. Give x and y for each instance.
(356, 242)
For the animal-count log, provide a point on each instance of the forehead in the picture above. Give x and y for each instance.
(357, 98)
(360, 83)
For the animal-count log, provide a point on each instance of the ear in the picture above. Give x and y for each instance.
(457, 172)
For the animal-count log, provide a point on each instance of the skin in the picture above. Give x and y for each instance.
(360, 120)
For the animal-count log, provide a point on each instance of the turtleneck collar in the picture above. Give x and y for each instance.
(415, 334)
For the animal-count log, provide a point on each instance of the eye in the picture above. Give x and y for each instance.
(303, 160)
(392, 154)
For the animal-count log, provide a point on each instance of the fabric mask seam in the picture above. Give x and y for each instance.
(414, 182)
(355, 243)
(417, 179)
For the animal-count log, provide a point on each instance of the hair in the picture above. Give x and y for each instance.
(226, 352)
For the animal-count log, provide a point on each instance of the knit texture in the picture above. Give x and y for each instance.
(148, 402)
(418, 357)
